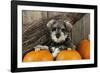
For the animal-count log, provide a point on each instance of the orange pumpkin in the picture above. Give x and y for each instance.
(84, 49)
(68, 55)
(42, 55)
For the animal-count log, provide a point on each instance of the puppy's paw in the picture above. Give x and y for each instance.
(40, 47)
(73, 47)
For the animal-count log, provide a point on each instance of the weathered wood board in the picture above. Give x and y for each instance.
(81, 29)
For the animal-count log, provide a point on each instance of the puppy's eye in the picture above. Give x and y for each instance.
(54, 29)
(63, 30)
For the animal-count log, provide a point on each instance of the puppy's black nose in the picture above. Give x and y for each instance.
(57, 35)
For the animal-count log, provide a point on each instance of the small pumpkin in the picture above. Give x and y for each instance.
(42, 55)
(68, 55)
(84, 49)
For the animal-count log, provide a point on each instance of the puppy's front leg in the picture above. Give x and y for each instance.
(40, 47)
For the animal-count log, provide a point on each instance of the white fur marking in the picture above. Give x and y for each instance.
(55, 52)
(60, 39)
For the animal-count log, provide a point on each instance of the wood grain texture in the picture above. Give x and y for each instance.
(81, 29)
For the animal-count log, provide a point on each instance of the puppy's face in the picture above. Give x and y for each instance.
(59, 30)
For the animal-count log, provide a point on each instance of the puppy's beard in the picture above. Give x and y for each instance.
(60, 39)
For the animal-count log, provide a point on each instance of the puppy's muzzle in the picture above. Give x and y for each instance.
(57, 35)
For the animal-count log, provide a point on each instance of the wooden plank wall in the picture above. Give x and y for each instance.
(81, 29)
(35, 30)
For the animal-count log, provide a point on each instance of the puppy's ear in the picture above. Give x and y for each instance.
(50, 23)
(68, 25)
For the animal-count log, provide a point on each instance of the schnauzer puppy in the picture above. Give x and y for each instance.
(60, 35)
